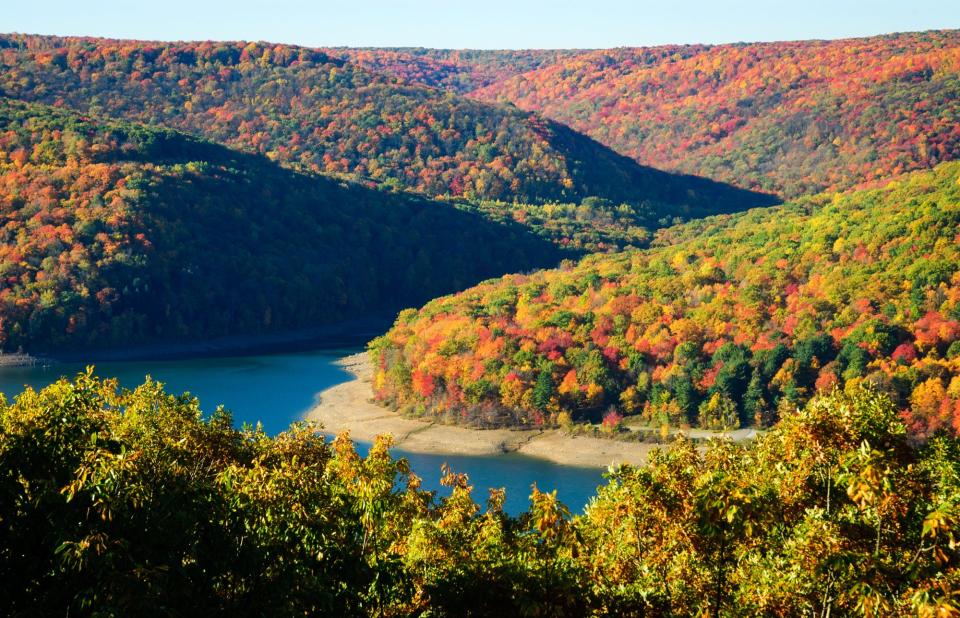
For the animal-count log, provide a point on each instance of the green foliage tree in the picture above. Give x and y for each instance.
(120, 502)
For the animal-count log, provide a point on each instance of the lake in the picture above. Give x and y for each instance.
(278, 389)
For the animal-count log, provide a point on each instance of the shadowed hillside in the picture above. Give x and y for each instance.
(116, 233)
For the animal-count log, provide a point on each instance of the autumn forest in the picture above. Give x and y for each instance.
(652, 246)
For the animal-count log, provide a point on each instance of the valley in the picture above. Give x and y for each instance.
(296, 329)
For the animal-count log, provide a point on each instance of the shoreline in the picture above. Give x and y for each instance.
(20, 359)
(348, 407)
(346, 334)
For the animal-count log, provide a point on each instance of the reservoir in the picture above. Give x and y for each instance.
(278, 389)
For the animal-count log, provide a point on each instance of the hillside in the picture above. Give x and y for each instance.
(459, 70)
(114, 233)
(313, 112)
(789, 118)
(732, 321)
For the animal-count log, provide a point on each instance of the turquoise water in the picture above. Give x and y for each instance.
(277, 389)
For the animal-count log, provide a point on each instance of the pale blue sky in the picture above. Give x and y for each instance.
(478, 23)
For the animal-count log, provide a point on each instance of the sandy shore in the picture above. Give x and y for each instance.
(348, 406)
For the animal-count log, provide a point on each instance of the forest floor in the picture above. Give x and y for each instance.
(349, 407)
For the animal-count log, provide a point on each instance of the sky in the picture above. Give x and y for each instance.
(481, 24)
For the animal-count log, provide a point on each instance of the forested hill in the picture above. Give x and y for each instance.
(313, 112)
(732, 321)
(790, 118)
(113, 233)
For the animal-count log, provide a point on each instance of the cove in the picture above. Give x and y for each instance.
(278, 389)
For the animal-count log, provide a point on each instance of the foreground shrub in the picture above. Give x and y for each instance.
(118, 503)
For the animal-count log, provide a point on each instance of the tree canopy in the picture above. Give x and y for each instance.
(314, 112)
(115, 233)
(790, 118)
(728, 319)
(134, 503)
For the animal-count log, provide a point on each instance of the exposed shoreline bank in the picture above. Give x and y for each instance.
(348, 407)
(20, 359)
(347, 334)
